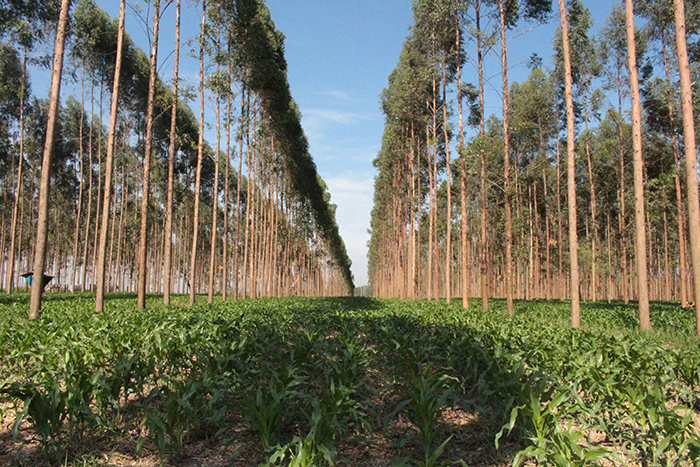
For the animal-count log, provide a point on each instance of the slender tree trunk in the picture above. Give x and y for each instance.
(640, 237)
(691, 164)
(168, 248)
(224, 259)
(106, 208)
(594, 224)
(548, 279)
(430, 220)
(679, 192)
(463, 182)
(448, 181)
(18, 187)
(76, 232)
(215, 203)
(143, 238)
(200, 156)
(506, 164)
(484, 266)
(93, 272)
(571, 167)
(43, 215)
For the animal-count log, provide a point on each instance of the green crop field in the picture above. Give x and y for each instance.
(347, 381)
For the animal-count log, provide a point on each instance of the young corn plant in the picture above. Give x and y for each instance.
(552, 444)
(263, 405)
(426, 391)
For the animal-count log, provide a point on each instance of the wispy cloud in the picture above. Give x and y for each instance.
(318, 115)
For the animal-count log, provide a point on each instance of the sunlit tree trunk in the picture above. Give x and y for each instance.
(640, 229)
(506, 164)
(691, 164)
(76, 232)
(215, 202)
(143, 233)
(448, 252)
(10, 273)
(484, 265)
(109, 162)
(200, 156)
(224, 238)
(43, 214)
(168, 248)
(463, 182)
(677, 179)
(571, 168)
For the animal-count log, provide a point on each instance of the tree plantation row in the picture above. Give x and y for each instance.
(585, 187)
(115, 188)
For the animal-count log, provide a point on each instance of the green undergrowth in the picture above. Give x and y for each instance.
(301, 382)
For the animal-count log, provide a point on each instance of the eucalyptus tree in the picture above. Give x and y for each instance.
(508, 14)
(571, 168)
(200, 155)
(215, 199)
(585, 67)
(639, 216)
(42, 218)
(106, 203)
(167, 248)
(691, 164)
(534, 125)
(613, 47)
(13, 96)
(148, 144)
(260, 50)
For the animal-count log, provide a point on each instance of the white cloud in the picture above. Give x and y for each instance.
(320, 116)
(353, 193)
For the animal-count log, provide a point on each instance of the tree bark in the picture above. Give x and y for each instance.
(506, 164)
(44, 188)
(691, 164)
(106, 208)
(200, 156)
(571, 168)
(10, 273)
(143, 232)
(640, 228)
(168, 248)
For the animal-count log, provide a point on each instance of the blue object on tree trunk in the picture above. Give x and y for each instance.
(29, 276)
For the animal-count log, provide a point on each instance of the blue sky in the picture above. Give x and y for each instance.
(339, 55)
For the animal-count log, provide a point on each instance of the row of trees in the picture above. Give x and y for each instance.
(140, 201)
(578, 124)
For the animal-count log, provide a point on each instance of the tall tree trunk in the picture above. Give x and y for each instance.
(463, 182)
(448, 181)
(215, 202)
(594, 224)
(691, 164)
(44, 188)
(200, 156)
(236, 251)
(484, 266)
(506, 163)
(679, 192)
(10, 273)
(76, 232)
(88, 223)
(571, 168)
(106, 208)
(143, 238)
(224, 238)
(640, 234)
(168, 248)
